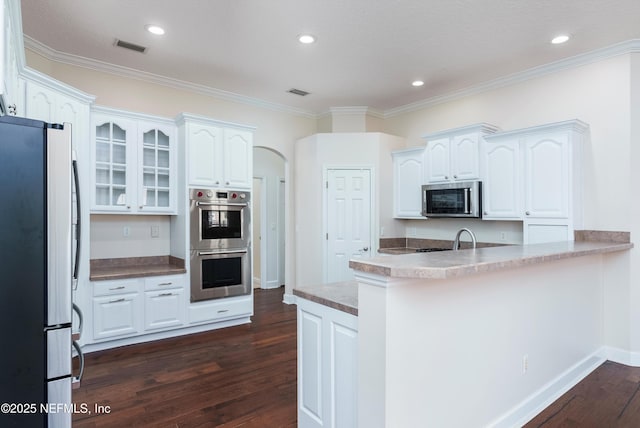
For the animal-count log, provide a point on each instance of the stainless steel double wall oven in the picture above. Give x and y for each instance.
(220, 229)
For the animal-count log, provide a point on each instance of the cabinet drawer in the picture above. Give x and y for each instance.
(220, 309)
(163, 282)
(106, 288)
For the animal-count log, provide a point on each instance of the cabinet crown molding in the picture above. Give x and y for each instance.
(182, 118)
(574, 125)
(483, 127)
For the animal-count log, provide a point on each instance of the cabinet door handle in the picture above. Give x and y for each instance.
(117, 300)
(446, 177)
(165, 294)
(162, 284)
(527, 213)
(221, 311)
(455, 176)
(117, 288)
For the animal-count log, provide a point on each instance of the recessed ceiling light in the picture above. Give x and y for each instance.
(417, 83)
(154, 29)
(559, 39)
(306, 38)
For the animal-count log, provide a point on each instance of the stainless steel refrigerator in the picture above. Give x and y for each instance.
(36, 273)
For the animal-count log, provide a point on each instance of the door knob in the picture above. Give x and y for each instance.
(365, 249)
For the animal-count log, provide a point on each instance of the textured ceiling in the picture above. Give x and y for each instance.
(367, 54)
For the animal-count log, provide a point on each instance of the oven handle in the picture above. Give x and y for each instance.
(221, 204)
(213, 253)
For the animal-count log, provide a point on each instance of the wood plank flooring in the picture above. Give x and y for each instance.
(242, 376)
(608, 398)
(245, 376)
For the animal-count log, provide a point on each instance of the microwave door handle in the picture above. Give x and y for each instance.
(467, 197)
(76, 180)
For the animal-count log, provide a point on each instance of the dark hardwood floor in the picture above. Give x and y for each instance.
(242, 376)
(245, 376)
(608, 398)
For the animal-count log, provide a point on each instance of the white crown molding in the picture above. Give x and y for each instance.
(354, 110)
(101, 66)
(630, 46)
(35, 76)
(627, 47)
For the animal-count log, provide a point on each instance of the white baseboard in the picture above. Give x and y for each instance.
(541, 399)
(289, 299)
(622, 356)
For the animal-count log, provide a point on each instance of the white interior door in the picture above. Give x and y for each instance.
(348, 232)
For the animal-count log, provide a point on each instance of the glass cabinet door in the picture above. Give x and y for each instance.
(156, 169)
(111, 165)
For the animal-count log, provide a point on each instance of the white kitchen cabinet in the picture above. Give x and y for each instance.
(408, 178)
(164, 309)
(237, 154)
(218, 154)
(134, 163)
(536, 174)
(546, 174)
(117, 309)
(502, 181)
(51, 101)
(11, 58)
(455, 154)
(327, 366)
(164, 305)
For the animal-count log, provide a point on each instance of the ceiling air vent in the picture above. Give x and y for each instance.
(298, 92)
(130, 46)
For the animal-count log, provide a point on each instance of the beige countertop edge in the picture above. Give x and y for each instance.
(141, 272)
(342, 296)
(449, 264)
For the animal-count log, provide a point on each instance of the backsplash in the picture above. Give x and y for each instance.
(108, 240)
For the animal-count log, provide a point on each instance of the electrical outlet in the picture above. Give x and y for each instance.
(155, 231)
(525, 364)
(381, 230)
(126, 231)
(503, 236)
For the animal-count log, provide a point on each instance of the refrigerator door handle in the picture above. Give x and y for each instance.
(76, 180)
(76, 335)
(75, 382)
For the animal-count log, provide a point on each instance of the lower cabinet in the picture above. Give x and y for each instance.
(130, 307)
(163, 309)
(327, 366)
(117, 315)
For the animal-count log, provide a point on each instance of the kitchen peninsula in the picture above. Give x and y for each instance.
(484, 337)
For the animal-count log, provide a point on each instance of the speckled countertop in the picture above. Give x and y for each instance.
(449, 264)
(134, 267)
(342, 296)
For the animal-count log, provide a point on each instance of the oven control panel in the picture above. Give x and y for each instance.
(226, 195)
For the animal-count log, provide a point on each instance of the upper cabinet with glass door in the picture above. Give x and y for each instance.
(133, 164)
(156, 170)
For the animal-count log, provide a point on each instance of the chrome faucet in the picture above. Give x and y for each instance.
(456, 242)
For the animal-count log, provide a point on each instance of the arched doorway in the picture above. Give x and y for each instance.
(268, 218)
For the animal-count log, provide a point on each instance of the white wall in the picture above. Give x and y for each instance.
(269, 166)
(320, 151)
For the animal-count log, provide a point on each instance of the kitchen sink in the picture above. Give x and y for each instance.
(431, 250)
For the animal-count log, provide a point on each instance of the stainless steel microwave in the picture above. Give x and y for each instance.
(455, 199)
